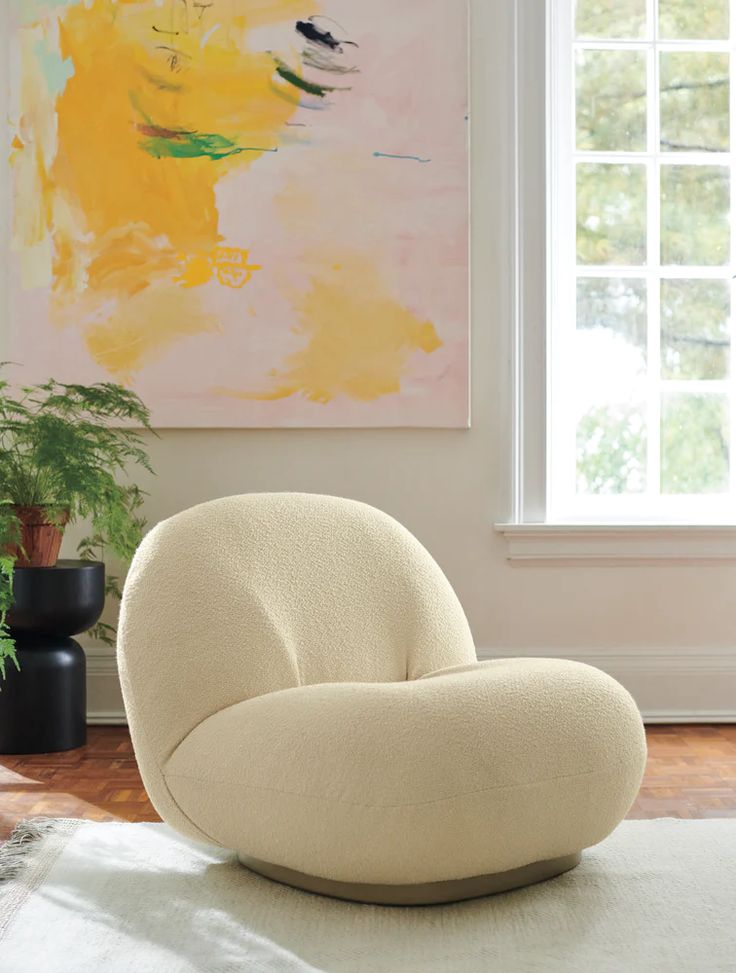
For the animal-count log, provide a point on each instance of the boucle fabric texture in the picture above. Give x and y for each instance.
(302, 687)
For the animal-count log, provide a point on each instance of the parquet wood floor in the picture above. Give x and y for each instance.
(691, 774)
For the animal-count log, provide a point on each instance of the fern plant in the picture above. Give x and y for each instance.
(68, 448)
(9, 529)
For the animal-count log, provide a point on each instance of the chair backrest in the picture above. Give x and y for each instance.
(248, 595)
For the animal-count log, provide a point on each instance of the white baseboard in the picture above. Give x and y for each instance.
(104, 699)
(669, 685)
(100, 718)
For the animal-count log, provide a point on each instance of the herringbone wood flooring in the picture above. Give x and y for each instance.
(691, 774)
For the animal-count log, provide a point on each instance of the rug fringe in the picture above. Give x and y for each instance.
(14, 853)
(26, 847)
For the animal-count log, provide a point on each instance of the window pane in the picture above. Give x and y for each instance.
(694, 448)
(694, 93)
(611, 213)
(612, 450)
(617, 305)
(611, 18)
(695, 215)
(693, 20)
(611, 101)
(610, 386)
(695, 329)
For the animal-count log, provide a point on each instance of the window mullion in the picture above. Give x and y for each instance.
(562, 246)
(615, 44)
(653, 404)
(681, 271)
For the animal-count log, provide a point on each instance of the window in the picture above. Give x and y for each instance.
(641, 420)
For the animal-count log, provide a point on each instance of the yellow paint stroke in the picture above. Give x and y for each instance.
(129, 259)
(358, 339)
(118, 216)
(229, 265)
(142, 328)
(223, 89)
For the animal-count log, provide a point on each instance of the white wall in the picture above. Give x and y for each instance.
(666, 631)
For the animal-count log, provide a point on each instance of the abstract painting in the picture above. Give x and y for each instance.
(252, 212)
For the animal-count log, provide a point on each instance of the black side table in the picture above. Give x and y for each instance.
(43, 707)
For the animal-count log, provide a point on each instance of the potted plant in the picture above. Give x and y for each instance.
(65, 452)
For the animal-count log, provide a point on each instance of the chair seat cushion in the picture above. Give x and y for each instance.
(468, 771)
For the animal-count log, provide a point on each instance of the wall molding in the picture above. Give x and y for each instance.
(608, 545)
(104, 699)
(670, 685)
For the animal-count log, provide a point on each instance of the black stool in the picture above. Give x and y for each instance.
(43, 707)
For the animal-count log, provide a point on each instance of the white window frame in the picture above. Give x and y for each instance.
(534, 538)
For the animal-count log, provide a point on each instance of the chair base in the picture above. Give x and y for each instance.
(428, 893)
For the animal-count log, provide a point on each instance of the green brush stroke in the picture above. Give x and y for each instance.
(285, 72)
(192, 145)
(188, 145)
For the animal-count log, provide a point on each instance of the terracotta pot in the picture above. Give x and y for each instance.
(40, 539)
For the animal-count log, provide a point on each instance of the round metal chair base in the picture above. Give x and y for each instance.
(430, 893)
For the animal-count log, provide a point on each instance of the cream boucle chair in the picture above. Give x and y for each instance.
(302, 687)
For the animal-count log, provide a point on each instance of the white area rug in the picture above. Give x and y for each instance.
(107, 898)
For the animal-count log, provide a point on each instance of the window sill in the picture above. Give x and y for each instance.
(610, 545)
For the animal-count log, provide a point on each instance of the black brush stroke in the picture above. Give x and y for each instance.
(307, 29)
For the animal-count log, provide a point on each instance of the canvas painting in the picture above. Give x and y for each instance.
(252, 212)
